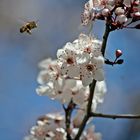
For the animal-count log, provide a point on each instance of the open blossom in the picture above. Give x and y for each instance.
(99, 93)
(48, 127)
(89, 134)
(65, 87)
(92, 70)
(43, 131)
(50, 71)
(65, 91)
(82, 59)
(67, 56)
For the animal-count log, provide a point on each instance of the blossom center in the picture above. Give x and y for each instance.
(70, 60)
(88, 50)
(90, 67)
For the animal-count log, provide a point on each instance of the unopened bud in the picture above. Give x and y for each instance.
(136, 16)
(119, 11)
(105, 12)
(136, 3)
(134, 10)
(121, 19)
(118, 53)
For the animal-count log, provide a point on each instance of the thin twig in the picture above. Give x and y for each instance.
(115, 116)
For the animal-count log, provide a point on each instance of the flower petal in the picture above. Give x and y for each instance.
(99, 75)
(86, 79)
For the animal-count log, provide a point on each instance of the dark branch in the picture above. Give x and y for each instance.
(114, 116)
(92, 87)
(68, 113)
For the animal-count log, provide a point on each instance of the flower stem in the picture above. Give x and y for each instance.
(92, 88)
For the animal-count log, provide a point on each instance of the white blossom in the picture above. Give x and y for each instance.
(92, 70)
(89, 134)
(82, 59)
(50, 71)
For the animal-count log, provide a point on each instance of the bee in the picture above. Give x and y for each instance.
(28, 27)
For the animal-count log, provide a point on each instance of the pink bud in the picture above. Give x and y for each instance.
(137, 14)
(118, 53)
(136, 3)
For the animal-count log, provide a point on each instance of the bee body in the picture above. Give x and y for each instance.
(28, 27)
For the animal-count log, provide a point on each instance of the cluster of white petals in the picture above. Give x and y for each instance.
(48, 127)
(82, 59)
(64, 89)
(78, 64)
(51, 127)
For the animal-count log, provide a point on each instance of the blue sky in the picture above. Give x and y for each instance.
(59, 22)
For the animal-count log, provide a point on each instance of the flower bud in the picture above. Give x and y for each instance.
(105, 12)
(121, 19)
(134, 10)
(136, 16)
(118, 53)
(119, 11)
(136, 3)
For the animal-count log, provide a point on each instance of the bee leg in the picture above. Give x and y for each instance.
(29, 31)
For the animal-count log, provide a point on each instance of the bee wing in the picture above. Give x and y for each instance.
(24, 21)
(37, 21)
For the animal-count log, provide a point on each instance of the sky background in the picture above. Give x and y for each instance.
(59, 22)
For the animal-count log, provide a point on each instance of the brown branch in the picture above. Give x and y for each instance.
(105, 37)
(68, 113)
(87, 116)
(92, 87)
(115, 116)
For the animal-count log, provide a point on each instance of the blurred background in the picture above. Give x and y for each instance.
(58, 23)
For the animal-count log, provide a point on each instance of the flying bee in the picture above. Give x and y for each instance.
(28, 27)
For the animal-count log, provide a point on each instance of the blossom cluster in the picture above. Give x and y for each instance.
(82, 59)
(117, 13)
(51, 127)
(64, 89)
(66, 80)
(78, 64)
